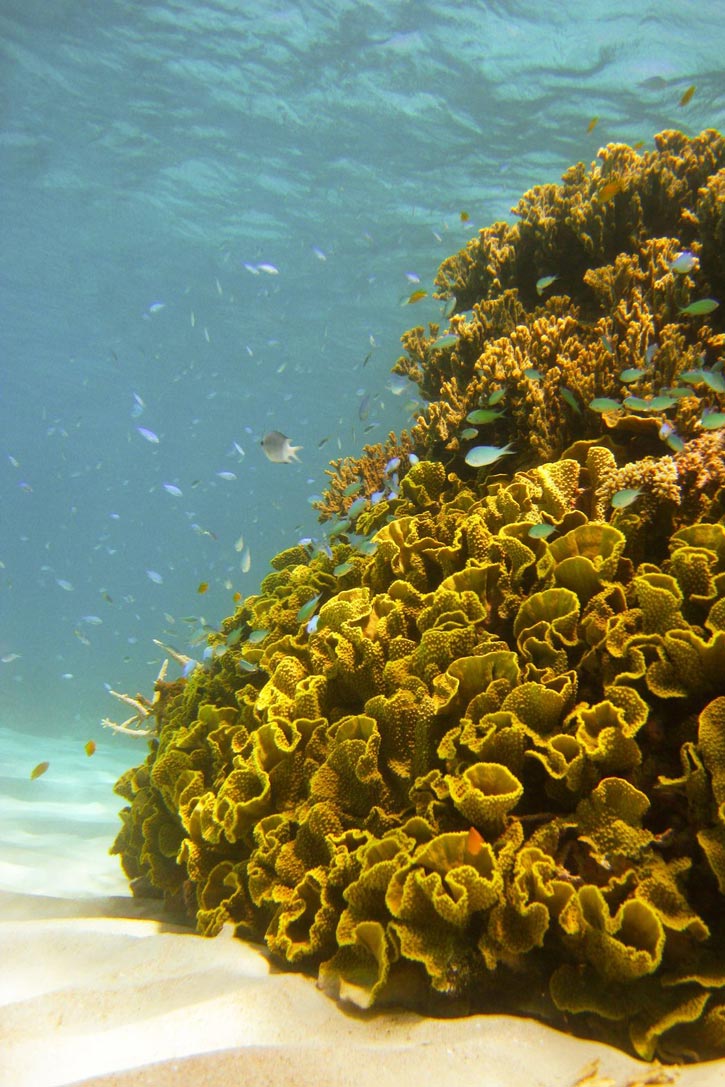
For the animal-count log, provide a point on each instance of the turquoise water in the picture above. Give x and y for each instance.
(211, 216)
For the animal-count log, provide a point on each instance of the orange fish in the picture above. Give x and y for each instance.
(592, 124)
(687, 95)
(237, 598)
(474, 842)
(609, 191)
(417, 296)
(465, 216)
(90, 748)
(203, 586)
(38, 770)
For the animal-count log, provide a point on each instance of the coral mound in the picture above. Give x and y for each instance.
(472, 756)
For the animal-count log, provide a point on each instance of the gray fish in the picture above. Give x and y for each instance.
(483, 455)
(278, 449)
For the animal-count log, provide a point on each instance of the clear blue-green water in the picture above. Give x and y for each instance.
(152, 157)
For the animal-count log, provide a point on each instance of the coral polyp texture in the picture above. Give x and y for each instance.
(471, 755)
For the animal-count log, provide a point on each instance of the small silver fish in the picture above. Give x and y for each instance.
(712, 420)
(308, 609)
(541, 531)
(625, 497)
(543, 283)
(683, 263)
(483, 455)
(700, 308)
(148, 435)
(278, 449)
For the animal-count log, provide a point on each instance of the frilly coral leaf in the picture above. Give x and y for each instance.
(610, 820)
(484, 794)
(621, 947)
(711, 742)
(358, 972)
(540, 708)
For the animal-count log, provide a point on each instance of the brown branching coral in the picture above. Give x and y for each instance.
(588, 220)
(355, 478)
(679, 489)
(709, 218)
(613, 326)
(530, 364)
(701, 472)
(610, 327)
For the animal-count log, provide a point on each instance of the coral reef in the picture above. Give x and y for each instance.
(496, 766)
(607, 239)
(470, 755)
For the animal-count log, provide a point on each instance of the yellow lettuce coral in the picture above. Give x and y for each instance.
(470, 771)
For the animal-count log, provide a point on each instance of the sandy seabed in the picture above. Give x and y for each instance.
(97, 989)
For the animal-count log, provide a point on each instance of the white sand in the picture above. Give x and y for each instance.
(97, 990)
(94, 991)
